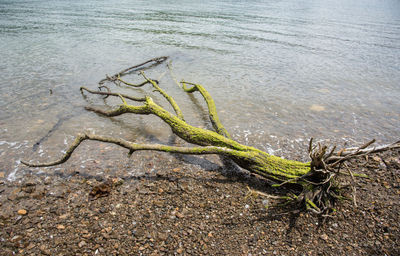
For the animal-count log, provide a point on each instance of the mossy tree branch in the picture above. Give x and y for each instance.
(212, 110)
(317, 178)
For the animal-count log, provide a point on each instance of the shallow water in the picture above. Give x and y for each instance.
(280, 71)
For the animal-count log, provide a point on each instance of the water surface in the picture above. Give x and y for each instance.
(280, 72)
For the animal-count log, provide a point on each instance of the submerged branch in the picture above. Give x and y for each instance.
(126, 71)
(109, 93)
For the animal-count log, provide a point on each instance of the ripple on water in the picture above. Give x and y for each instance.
(287, 69)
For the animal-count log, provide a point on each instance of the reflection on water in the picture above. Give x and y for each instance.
(280, 71)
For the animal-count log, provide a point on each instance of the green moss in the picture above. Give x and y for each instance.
(212, 110)
(250, 158)
(311, 204)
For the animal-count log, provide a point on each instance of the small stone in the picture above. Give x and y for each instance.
(81, 244)
(386, 185)
(179, 215)
(30, 182)
(317, 108)
(39, 192)
(180, 250)
(176, 169)
(14, 194)
(30, 246)
(15, 238)
(158, 203)
(163, 236)
(64, 216)
(22, 212)
(377, 159)
(324, 237)
(60, 227)
(2, 174)
(210, 234)
(44, 250)
(117, 181)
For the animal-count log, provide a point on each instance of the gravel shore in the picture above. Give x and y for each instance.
(181, 211)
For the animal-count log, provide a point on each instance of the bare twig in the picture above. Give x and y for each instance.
(114, 77)
(109, 93)
(166, 96)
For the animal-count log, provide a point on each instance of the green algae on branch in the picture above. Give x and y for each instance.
(316, 178)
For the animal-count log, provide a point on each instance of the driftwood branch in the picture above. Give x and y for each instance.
(318, 178)
(132, 147)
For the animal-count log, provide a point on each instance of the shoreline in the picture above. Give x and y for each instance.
(192, 211)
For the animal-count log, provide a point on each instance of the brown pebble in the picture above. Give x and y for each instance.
(60, 227)
(179, 215)
(176, 169)
(64, 216)
(22, 212)
(30, 246)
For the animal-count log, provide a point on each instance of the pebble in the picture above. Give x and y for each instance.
(117, 181)
(317, 108)
(22, 212)
(163, 236)
(30, 246)
(15, 238)
(179, 215)
(81, 244)
(64, 216)
(176, 169)
(44, 250)
(324, 237)
(2, 174)
(60, 227)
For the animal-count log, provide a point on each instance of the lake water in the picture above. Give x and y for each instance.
(280, 72)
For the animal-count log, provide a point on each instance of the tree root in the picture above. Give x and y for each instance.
(317, 179)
